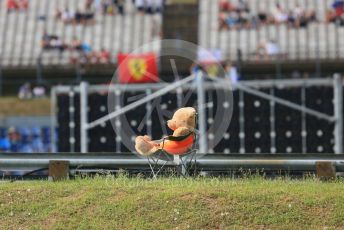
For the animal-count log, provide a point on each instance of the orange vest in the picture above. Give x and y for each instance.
(178, 147)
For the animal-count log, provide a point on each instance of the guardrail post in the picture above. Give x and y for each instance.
(338, 113)
(83, 117)
(203, 147)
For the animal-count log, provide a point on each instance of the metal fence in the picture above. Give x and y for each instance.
(271, 116)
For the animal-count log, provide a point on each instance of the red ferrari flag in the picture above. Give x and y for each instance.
(137, 68)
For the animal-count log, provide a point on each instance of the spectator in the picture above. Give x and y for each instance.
(244, 20)
(140, 6)
(226, 6)
(57, 14)
(262, 17)
(149, 8)
(39, 91)
(14, 139)
(25, 142)
(76, 44)
(16, 5)
(279, 14)
(107, 7)
(231, 73)
(243, 6)
(82, 17)
(57, 44)
(336, 14)
(104, 56)
(52, 42)
(195, 68)
(235, 17)
(338, 6)
(88, 4)
(158, 5)
(12, 5)
(37, 144)
(67, 16)
(153, 6)
(84, 53)
(120, 6)
(299, 17)
(24, 4)
(25, 91)
(5, 144)
(268, 49)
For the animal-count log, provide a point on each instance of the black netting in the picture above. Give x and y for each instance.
(319, 132)
(288, 122)
(257, 124)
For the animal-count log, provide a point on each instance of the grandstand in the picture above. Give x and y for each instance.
(22, 32)
(316, 40)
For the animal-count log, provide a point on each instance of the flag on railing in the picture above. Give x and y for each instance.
(137, 68)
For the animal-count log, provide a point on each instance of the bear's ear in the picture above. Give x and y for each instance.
(191, 119)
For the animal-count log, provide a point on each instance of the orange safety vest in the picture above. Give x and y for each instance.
(178, 147)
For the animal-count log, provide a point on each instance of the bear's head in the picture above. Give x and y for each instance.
(183, 117)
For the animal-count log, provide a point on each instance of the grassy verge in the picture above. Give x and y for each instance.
(10, 106)
(122, 203)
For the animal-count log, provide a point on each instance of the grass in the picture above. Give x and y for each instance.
(10, 106)
(172, 203)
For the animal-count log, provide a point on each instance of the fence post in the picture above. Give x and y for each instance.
(53, 118)
(1, 79)
(83, 117)
(338, 113)
(39, 77)
(203, 147)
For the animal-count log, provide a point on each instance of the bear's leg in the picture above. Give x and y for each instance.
(147, 138)
(145, 147)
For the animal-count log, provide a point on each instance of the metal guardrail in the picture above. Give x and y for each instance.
(209, 162)
(262, 84)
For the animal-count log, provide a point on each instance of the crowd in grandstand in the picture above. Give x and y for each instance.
(83, 51)
(235, 16)
(17, 5)
(75, 17)
(26, 92)
(87, 14)
(107, 7)
(336, 14)
(268, 50)
(26, 140)
(91, 57)
(239, 16)
(52, 42)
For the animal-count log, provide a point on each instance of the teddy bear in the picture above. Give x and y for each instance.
(182, 123)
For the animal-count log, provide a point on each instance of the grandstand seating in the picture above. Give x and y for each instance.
(21, 32)
(318, 40)
(22, 139)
